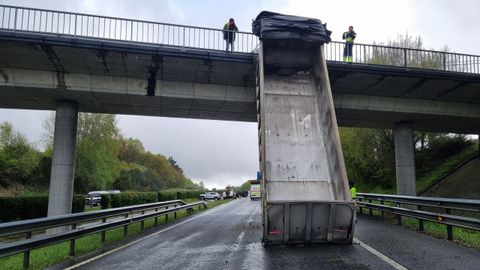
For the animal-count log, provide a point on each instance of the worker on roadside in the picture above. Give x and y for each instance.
(349, 37)
(353, 189)
(229, 30)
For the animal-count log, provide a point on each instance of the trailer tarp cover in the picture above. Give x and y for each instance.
(270, 25)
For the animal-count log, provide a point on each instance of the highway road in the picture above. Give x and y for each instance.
(229, 237)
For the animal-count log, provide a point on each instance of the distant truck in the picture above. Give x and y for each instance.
(255, 190)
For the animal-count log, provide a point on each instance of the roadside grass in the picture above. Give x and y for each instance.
(464, 237)
(46, 256)
(93, 208)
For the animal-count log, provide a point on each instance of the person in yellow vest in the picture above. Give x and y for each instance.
(353, 189)
(349, 37)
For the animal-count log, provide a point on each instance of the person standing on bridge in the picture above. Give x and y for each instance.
(229, 30)
(353, 189)
(349, 37)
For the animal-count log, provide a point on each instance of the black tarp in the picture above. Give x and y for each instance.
(270, 25)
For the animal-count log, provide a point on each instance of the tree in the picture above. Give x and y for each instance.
(244, 187)
(394, 53)
(175, 165)
(18, 158)
(96, 160)
(131, 150)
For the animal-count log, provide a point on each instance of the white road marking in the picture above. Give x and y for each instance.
(239, 238)
(377, 253)
(141, 239)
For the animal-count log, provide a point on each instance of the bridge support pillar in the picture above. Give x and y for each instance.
(63, 159)
(405, 159)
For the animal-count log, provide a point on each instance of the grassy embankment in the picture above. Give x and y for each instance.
(427, 179)
(43, 257)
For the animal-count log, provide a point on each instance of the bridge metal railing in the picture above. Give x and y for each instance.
(120, 29)
(405, 57)
(73, 226)
(449, 212)
(34, 20)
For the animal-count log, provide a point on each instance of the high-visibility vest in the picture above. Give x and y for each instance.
(353, 192)
(349, 36)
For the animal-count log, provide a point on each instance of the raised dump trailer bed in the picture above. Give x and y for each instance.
(305, 196)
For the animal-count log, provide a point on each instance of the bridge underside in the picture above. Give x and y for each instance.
(105, 76)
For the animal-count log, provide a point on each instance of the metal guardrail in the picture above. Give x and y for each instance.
(122, 216)
(43, 21)
(438, 210)
(120, 29)
(405, 57)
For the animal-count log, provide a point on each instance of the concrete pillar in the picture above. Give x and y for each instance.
(405, 159)
(63, 159)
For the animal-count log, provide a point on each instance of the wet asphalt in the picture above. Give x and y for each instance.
(229, 237)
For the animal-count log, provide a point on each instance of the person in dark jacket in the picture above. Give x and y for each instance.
(349, 37)
(229, 30)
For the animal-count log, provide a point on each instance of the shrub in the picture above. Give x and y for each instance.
(188, 194)
(105, 201)
(132, 198)
(167, 196)
(31, 206)
(180, 195)
(78, 203)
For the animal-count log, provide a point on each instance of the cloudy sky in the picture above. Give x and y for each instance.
(218, 152)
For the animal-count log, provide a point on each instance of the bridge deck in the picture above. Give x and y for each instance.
(229, 237)
(106, 76)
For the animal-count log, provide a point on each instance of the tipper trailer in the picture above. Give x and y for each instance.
(305, 189)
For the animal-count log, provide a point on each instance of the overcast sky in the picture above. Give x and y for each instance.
(218, 152)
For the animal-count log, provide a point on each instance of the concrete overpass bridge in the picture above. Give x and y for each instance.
(71, 62)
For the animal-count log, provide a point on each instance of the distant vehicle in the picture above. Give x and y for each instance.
(94, 198)
(210, 196)
(255, 190)
(242, 194)
(229, 193)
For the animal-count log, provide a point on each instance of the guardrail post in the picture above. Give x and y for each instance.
(156, 218)
(125, 228)
(166, 216)
(102, 239)
(399, 217)
(175, 213)
(420, 221)
(26, 254)
(72, 242)
(142, 223)
(381, 212)
(360, 208)
(449, 227)
(405, 61)
(370, 211)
